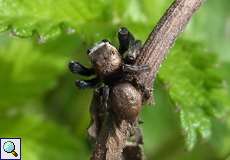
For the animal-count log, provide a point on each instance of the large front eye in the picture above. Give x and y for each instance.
(89, 50)
(123, 31)
(106, 40)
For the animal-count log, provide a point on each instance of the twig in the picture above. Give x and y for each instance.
(112, 137)
(163, 37)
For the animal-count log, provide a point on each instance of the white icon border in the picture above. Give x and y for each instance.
(13, 138)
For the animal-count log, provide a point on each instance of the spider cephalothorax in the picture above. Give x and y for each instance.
(105, 59)
(110, 67)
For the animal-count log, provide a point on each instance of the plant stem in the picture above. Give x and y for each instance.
(163, 36)
(112, 138)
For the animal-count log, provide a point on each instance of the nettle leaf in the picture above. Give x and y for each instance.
(194, 82)
(48, 18)
(42, 138)
(221, 129)
(26, 72)
(221, 140)
(212, 27)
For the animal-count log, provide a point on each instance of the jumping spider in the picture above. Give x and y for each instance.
(110, 67)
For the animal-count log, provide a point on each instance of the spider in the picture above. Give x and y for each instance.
(110, 68)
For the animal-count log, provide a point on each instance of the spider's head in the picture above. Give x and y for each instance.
(105, 58)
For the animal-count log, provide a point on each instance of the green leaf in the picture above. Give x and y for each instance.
(48, 18)
(66, 94)
(196, 87)
(42, 138)
(212, 28)
(26, 73)
(221, 139)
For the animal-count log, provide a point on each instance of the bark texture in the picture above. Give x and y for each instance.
(111, 139)
(163, 36)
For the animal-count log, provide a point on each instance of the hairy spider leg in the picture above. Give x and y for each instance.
(133, 51)
(105, 95)
(135, 68)
(124, 37)
(77, 68)
(92, 83)
(139, 136)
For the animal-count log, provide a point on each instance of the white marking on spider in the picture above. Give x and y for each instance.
(99, 45)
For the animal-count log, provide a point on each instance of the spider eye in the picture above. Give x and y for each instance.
(123, 31)
(106, 40)
(88, 51)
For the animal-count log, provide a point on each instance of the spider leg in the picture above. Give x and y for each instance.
(105, 93)
(124, 37)
(98, 109)
(131, 54)
(135, 68)
(83, 84)
(77, 68)
(134, 146)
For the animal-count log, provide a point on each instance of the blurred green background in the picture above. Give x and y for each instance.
(40, 104)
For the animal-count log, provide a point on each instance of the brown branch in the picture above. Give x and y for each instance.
(163, 37)
(113, 136)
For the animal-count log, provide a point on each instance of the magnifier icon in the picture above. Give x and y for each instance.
(9, 147)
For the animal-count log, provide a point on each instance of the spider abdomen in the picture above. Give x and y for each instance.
(125, 101)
